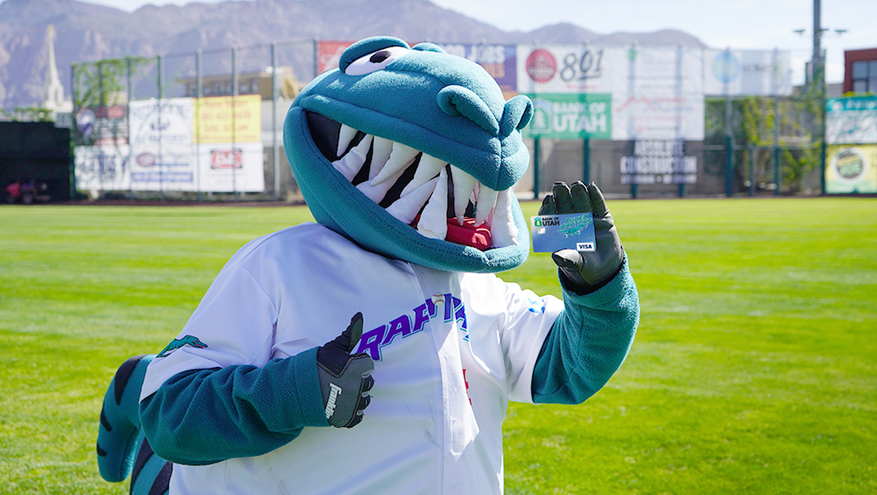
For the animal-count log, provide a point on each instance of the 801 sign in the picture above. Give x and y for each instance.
(584, 66)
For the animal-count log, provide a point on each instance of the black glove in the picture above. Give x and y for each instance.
(586, 272)
(345, 379)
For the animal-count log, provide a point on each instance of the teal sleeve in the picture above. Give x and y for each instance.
(205, 416)
(588, 341)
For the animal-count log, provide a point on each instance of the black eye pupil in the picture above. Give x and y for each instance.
(379, 57)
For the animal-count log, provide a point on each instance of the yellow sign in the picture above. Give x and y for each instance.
(851, 169)
(227, 119)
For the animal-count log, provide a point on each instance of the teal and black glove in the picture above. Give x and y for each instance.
(584, 272)
(345, 379)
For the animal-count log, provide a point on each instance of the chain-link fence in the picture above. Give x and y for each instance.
(208, 125)
(196, 125)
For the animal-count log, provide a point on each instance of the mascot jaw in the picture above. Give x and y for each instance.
(436, 198)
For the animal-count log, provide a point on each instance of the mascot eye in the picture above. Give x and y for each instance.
(375, 61)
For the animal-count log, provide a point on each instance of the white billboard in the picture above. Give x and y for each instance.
(657, 92)
(747, 72)
(163, 156)
(102, 168)
(659, 95)
(169, 122)
(851, 120)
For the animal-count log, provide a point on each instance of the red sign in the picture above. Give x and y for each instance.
(222, 159)
(541, 65)
(330, 53)
(146, 159)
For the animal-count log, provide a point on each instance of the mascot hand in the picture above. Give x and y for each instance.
(586, 271)
(345, 379)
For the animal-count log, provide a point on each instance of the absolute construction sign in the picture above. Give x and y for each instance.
(181, 144)
(851, 151)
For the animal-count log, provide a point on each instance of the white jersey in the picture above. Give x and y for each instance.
(450, 349)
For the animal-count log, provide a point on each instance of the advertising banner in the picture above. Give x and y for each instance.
(169, 122)
(101, 126)
(227, 167)
(181, 144)
(851, 169)
(227, 119)
(851, 120)
(571, 116)
(102, 168)
(169, 167)
(500, 61)
(658, 162)
(658, 95)
(329, 54)
(217, 167)
(747, 72)
(567, 68)
(597, 69)
(657, 92)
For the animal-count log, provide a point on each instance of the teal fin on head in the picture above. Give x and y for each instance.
(413, 153)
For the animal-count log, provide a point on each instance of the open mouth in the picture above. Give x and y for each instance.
(436, 198)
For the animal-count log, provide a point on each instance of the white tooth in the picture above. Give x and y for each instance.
(380, 154)
(484, 205)
(428, 168)
(345, 136)
(434, 218)
(377, 192)
(503, 231)
(350, 163)
(464, 184)
(400, 158)
(406, 207)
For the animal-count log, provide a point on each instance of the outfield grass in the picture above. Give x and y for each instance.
(753, 370)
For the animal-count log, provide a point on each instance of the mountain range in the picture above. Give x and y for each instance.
(88, 32)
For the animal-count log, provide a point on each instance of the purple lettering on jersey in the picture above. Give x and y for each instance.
(449, 307)
(371, 342)
(401, 325)
(422, 314)
(460, 315)
(374, 340)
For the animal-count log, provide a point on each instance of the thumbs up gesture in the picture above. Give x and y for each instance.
(345, 379)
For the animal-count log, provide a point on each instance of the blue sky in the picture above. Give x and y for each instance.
(741, 24)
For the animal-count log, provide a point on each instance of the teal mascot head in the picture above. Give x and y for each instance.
(413, 153)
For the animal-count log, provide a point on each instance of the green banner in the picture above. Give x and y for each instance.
(571, 116)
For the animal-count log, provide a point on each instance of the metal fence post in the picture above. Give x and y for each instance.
(275, 148)
(776, 143)
(752, 170)
(234, 99)
(74, 99)
(536, 167)
(316, 56)
(586, 160)
(128, 70)
(729, 133)
(198, 94)
(160, 147)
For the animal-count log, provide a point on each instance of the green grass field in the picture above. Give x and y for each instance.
(753, 370)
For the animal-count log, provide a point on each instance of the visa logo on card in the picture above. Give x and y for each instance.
(570, 231)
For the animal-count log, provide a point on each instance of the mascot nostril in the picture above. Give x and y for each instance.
(385, 315)
(517, 115)
(457, 100)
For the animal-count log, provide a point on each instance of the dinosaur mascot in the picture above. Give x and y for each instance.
(375, 351)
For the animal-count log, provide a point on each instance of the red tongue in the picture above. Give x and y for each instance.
(467, 234)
